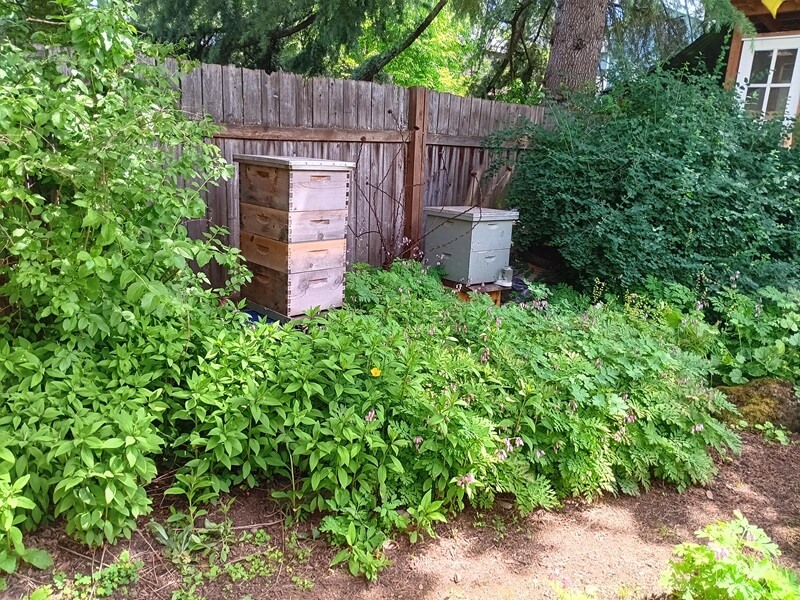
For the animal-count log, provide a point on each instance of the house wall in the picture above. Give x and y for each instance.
(786, 23)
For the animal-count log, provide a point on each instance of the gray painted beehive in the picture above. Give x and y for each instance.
(471, 243)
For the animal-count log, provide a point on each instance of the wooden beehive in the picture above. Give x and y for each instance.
(293, 231)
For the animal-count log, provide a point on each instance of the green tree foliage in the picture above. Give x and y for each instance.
(305, 36)
(490, 48)
(641, 33)
(512, 50)
(435, 60)
(665, 176)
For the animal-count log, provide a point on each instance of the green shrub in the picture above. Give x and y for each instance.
(392, 413)
(101, 317)
(762, 334)
(757, 334)
(665, 176)
(601, 398)
(738, 563)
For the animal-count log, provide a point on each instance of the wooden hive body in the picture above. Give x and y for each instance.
(293, 231)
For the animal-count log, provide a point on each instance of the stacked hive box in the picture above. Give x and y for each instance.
(293, 226)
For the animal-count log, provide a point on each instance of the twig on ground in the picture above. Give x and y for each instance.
(70, 551)
(256, 525)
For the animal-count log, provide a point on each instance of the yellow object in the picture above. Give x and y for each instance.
(772, 6)
(376, 372)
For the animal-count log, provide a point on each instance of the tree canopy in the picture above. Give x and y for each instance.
(487, 48)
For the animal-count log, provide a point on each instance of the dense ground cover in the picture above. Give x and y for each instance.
(612, 548)
(387, 416)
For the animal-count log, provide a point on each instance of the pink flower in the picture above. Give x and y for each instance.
(465, 480)
(518, 442)
(539, 454)
(370, 416)
(418, 441)
(485, 355)
(630, 419)
(697, 428)
(721, 553)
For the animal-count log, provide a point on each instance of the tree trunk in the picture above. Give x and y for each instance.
(575, 45)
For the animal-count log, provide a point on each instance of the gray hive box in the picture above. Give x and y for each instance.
(471, 243)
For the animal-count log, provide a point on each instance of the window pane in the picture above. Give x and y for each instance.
(759, 72)
(776, 103)
(784, 66)
(754, 99)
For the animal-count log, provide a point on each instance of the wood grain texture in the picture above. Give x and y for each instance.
(295, 294)
(213, 103)
(293, 258)
(251, 97)
(192, 93)
(293, 227)
(270, 100)
(305, 134)
(415, 164)
(734, 57)
(232, 95)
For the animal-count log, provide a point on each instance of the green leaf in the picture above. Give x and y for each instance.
(353, 566)
(8, 563)
(38, 558)
(351, 535)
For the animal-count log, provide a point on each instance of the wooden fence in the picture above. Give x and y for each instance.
(412, 147)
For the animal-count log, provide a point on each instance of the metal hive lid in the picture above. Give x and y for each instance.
(471, 213)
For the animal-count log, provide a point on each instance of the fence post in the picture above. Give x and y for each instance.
(415, 164)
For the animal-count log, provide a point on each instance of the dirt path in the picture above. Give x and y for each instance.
(615, 548)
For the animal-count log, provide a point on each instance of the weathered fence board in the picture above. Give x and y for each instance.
(404, 159)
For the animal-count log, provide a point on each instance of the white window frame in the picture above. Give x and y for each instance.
(773, 42)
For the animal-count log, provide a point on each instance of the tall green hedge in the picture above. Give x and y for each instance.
(665, 176)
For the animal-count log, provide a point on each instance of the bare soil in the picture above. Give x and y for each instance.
(614, 548)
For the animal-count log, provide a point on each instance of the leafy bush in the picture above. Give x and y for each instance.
(738, 563)
(390, 414)
(664, 176)
(762, 334)
(12, 512)
(600, 398)
(100, 315)
(103, 583)
(757, 334)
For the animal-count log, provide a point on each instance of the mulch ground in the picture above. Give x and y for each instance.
(614, 548)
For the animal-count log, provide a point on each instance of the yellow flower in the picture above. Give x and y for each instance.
(376, 372)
